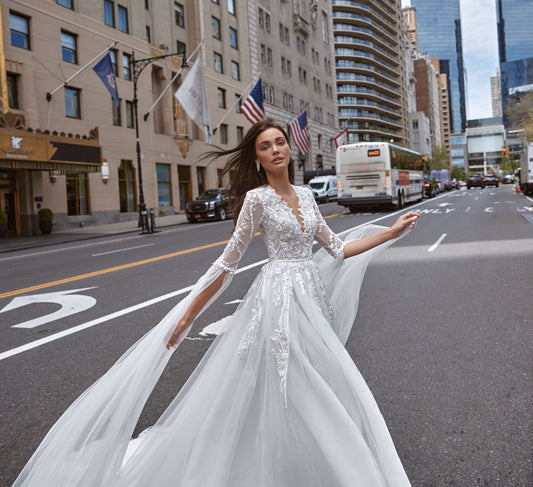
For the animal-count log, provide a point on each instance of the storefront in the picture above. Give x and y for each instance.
(26, 156)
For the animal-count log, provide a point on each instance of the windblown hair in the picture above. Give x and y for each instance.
(241, 165)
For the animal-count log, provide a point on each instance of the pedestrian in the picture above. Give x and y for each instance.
(276, 401)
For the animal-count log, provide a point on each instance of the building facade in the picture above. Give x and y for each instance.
(485, 139)
(496, 95)
(370, 69)
(292, 49)
(439, 35)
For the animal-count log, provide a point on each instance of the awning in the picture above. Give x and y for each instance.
(49, 151)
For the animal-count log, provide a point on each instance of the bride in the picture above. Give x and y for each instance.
(276, 401)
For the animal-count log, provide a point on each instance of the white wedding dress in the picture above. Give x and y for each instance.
(275, 402)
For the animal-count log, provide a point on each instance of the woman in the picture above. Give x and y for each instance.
(276, 401)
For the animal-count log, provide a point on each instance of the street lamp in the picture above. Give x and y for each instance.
(137, 67)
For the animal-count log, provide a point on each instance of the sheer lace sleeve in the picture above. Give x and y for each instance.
(327, 238)
(247, 224)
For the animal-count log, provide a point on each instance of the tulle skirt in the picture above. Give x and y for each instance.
(276, 401)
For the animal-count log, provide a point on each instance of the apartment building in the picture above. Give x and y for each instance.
(292, 49)
(95, 177)
(371, 74)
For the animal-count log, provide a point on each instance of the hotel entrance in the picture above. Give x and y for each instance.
(9, 203)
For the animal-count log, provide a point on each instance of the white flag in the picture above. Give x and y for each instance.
(341, 139)
(192, 94)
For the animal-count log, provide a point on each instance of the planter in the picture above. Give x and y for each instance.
(45, 226)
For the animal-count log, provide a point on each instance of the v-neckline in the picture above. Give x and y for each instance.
(296, 213)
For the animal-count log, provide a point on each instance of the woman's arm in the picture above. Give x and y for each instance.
(366, 243)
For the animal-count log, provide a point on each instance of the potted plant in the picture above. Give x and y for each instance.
(3, 223)
(45, 220)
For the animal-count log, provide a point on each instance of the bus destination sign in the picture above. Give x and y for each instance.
(373, 152)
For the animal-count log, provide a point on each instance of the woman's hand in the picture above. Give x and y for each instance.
(182, 325)
(408, 220)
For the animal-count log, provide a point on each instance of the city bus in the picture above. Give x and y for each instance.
(370, 173)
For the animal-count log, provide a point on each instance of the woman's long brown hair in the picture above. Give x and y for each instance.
(241, 166)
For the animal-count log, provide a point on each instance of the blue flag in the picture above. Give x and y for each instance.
(104, 69)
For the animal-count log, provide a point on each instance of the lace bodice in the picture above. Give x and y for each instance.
(285, 238)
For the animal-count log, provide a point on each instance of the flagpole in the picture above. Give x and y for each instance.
(183, 66)
(237, 101)
(50, 95)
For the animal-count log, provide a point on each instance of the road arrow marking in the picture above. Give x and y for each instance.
(70, 304)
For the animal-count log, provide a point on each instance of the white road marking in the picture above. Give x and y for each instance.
(70, 304)
(467, 210)
(437, 243)
(235, 301)
(122, 250)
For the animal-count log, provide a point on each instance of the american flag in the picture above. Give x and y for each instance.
(252, 108)
(300, 133)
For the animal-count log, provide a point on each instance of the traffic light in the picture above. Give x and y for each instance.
(505, 151)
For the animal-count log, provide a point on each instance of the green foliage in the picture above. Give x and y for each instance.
(440, 159)
(520, 113)
(45, 214)
(3, 216)
(458, 173)
(509, 165)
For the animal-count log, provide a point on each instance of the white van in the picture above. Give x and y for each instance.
(325, 187)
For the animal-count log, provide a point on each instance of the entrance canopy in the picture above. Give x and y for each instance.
(22, 148)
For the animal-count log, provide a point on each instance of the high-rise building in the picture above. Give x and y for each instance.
(291, 47)
(515, 40)
(371, 74)
(496, 95)
(428, 96)
(439, 35)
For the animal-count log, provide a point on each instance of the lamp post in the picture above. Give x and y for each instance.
(137, 66)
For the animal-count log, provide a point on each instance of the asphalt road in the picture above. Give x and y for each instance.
(443, 333)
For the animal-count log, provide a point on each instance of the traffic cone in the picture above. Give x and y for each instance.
(516, 188)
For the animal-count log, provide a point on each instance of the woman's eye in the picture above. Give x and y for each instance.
(281, 142)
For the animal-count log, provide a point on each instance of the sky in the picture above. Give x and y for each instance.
(480, 53)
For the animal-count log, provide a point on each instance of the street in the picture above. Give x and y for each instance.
(442, 336)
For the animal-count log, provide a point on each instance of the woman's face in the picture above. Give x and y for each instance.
(272, 151)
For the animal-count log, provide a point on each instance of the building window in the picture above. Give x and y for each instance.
(267, 22)
(12, 90)
(235, 72)
(163, 184)
(218, 62)
(284, 100)
(269, 56)
(179, 13)
(113, 56)
(281, 33)
(238, 103)
(147, 4)
(65, 3)
(126, 186)
(231, 7)
(271, 95)
(263, 54)
(415, 124)
(20, 30)
(148, 34)
(289, 69)
(290, 103)
(287, 36)
(261, 18)
(223, 133)
(123, 19)
(200, 177)
(325, 29)
(283, 65)
(233, 38)
(77, 194)
(72, 102)
(130, 120)
(221, 97)
(181, 48)
(69, 48)
(126, 67)
(109, 13)
(117, 117)
(215, 24)
(240, 134)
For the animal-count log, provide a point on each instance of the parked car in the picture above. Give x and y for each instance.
(491, 180)
(475, 180)
(212, 204)
(508, 179)
(430, 187)
(325, 187)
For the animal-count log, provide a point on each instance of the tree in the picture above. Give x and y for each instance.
(509, 164)
(458, 173)
(520, 113)
(440, 159)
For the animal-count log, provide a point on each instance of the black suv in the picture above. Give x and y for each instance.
(429, 187)
(212, 204)
(491, 180)
(475, 180)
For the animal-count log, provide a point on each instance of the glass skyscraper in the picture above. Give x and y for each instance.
(515, 37)
(439, 35)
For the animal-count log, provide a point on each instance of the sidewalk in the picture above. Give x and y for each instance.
(76, 234)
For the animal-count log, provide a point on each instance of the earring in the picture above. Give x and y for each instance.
(258, 166)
